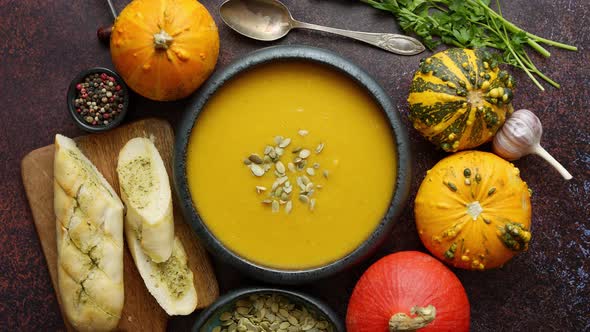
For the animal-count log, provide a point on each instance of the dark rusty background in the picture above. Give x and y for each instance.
(44, 44)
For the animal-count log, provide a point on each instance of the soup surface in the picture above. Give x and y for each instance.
(281, 99)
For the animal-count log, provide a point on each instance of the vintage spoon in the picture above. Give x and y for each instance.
(269, 20)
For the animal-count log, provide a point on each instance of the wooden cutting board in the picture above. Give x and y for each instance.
(141, 311)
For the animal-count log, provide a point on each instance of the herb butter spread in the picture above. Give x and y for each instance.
(138, 181)
(174, 274)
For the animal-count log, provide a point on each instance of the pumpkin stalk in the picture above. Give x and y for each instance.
(162, 40)
(402, 322)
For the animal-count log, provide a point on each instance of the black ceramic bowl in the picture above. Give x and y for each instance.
(331, 60)
(72, 95)
(209, 318)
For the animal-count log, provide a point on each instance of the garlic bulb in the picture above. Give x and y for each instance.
(520, 136)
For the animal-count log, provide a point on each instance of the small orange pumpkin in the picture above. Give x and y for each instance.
(164, 49)
(473, 210)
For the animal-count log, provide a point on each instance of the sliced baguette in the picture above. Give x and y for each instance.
(149, 210)
(89, 224)
(145, 189)
(171, 282)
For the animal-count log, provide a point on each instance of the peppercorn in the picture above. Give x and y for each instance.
(99, 99)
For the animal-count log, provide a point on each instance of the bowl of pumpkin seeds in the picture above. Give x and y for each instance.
(267, 310)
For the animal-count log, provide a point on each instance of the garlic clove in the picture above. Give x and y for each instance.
(521, 135)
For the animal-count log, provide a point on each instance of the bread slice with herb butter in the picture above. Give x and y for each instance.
(170, 282)
(145, 189)
(89, 241)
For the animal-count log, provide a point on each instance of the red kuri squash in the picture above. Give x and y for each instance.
(407, 291)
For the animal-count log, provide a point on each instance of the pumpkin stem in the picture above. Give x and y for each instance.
(403, 322)
(162, 40)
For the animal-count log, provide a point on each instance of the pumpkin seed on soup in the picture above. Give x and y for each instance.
(281, 189)
(284, 143)
(256, 170)
(255, 159)
(304, 153)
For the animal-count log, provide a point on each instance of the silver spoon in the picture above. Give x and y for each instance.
(269, 20)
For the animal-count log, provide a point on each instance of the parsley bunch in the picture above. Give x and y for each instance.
(470, 24)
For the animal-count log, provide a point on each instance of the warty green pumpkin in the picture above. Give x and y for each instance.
(459, 98)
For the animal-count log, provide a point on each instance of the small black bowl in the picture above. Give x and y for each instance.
(337, 63)
(72, 95)
(209, 318)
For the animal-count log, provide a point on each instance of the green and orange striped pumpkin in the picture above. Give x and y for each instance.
(459, 98)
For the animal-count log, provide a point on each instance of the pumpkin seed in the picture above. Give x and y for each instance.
(279, 192)
(316, 165)
(301, 165)
(310, 171)
(303, 199)
(319, 148)
(312, 204)
(293, 320)
(291, 167)
(260, 189)
(288, 207)
(303, 132)
(305, 180)
(243, 303)
(275, 206)
(309, 188)
(288, 190)
(275, 185)
(266, 159)
(225, 316)
(280, 167)
(278, 139)
(284, 313)
(300, 182)
(243, 310)
(326, 173)
(257, 170)
(284, 196)
(285, 142)
(304, 153)
(297, 149)
(247, 161)
(282, 179)
(268, 149)
(255, 159)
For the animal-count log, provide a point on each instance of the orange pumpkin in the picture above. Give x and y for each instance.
(473, 210)
(164, 49)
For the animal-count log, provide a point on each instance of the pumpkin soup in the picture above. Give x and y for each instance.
(308, 124)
